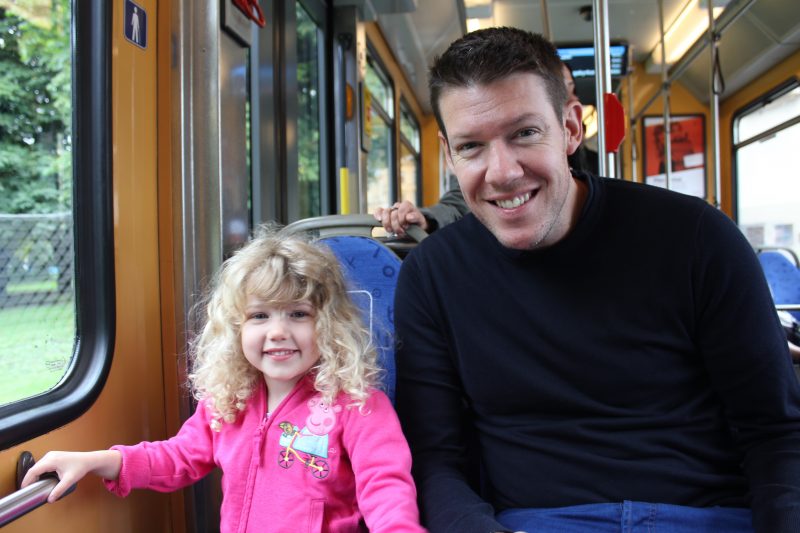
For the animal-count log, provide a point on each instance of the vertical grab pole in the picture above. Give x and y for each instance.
(713, 42)
(665, 94)
(546, 21)
(605, 165)
(634, 150)
(343, 43)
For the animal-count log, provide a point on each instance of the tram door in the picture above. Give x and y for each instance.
(216, 132)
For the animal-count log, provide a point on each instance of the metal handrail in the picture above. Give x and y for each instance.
(25, 500)
(358, 224)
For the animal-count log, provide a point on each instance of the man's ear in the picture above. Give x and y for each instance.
(573, 124)
(446, 149)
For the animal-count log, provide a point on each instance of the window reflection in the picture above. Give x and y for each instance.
(409, 172)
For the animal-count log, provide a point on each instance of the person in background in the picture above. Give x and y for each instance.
(579, 353)
(284, 359)
(398, 217)
(583, 158)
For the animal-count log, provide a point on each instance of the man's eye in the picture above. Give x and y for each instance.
(527, 132)
(466, 147)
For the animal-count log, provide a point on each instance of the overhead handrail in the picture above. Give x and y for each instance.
(732, 12)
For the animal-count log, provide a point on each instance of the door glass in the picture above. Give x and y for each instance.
(37, 299)
(308, 119)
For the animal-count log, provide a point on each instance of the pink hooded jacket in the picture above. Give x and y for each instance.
(308, 466)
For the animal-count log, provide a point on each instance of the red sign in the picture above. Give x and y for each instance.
(615, 122)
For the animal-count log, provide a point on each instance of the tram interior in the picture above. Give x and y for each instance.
(758, 44)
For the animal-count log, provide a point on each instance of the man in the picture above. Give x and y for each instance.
(608, 350)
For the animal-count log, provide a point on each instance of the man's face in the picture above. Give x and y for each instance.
(509, 152)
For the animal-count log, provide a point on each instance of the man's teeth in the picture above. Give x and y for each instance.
(514, 202)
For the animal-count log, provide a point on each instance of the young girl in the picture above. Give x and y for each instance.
(284, 375)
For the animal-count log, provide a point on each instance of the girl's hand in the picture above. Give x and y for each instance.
(71, 467)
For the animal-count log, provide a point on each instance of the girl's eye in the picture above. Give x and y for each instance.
(258, 315)
(300, 314)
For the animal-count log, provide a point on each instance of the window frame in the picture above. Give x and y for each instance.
(93, 234)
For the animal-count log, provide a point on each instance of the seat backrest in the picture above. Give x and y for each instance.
(371, 270)
(783, 277)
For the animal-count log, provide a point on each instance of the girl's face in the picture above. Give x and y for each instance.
(280, 341)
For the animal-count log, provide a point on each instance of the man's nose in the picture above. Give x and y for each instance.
(502, 165)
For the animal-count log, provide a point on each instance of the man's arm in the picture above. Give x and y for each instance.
(745, 350)
(431, 408)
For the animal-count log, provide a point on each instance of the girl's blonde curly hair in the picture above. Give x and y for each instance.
(279, 268)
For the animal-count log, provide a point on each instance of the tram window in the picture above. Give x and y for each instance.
(409, 156)
(309, 123)
(49, 252)
(36, 270)
(768, 209)
(380, 158)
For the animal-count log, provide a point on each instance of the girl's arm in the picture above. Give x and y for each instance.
(381, 464)
(71, 467)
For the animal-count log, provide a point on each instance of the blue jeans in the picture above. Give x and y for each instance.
(628, 517)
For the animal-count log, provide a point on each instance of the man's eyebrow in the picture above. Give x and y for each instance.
(516, 122)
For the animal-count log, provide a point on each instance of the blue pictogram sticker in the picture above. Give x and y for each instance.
(135, 24)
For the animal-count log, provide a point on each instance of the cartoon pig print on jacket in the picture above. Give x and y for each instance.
(313, 438)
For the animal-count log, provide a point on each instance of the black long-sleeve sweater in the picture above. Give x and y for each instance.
(640, 358)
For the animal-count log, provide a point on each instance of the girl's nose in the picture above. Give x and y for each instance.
(277, 329)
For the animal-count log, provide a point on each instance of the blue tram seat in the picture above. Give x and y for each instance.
(371, 268)
(783, 276)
